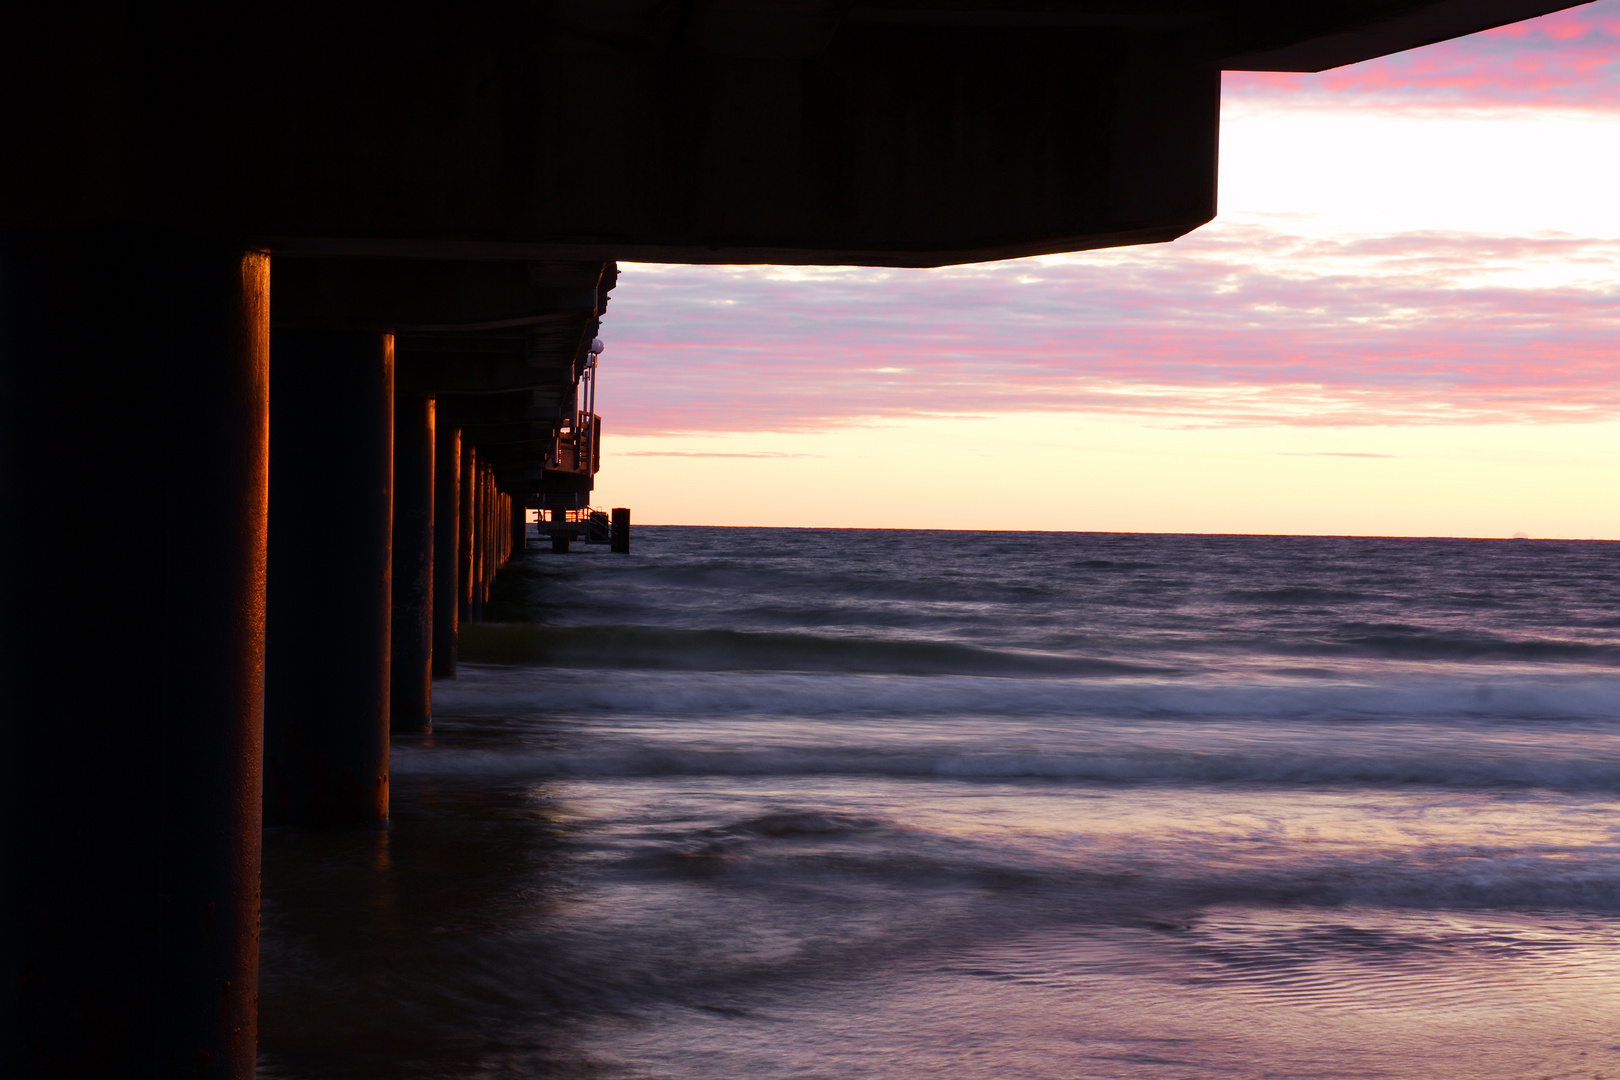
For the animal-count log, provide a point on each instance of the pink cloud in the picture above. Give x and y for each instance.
(1569, 59)
(1233, 325)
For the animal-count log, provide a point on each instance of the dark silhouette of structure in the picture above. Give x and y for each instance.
(425, 206)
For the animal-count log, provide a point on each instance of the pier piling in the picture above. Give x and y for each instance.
(411, 676)
(467, 557)
(494, 530)
(520, 525)
(487, 548)
(131, 664)
(480, 537)
(446, 549)
(559, 540)
(329, 597)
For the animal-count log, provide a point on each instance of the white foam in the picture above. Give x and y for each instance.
(1488, 694)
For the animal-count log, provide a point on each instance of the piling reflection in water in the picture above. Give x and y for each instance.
(410, 953)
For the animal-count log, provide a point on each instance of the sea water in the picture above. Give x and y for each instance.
(841, 803)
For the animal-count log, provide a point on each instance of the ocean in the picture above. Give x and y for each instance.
(771, 803)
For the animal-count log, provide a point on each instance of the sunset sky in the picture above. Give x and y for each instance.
(1403, 322)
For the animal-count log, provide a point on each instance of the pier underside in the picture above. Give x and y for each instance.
(889, 132)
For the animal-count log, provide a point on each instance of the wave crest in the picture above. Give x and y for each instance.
(671, 648)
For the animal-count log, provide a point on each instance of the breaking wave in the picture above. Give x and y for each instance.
(1560, 696)
(671, 648)
(1558, 772)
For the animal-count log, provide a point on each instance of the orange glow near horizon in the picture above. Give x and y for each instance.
(1071, 472)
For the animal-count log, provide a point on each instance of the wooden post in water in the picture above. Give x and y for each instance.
(621, 530)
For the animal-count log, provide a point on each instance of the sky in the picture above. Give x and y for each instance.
(1403, 321)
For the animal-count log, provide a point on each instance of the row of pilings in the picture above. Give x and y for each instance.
(363, 522)
(206, 539)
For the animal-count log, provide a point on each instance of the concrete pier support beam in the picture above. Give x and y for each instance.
(329, 597)
(130, 660)
(520, 525)
(411, 675)
(446, 550)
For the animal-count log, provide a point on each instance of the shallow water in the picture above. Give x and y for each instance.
(800, 803)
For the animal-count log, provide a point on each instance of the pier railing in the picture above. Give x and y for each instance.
(578, 446)
(587, 524)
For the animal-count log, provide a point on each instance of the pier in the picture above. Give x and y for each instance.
(309, 300)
